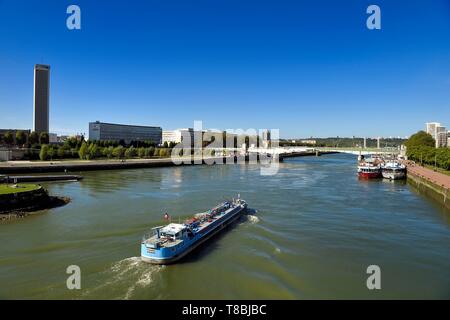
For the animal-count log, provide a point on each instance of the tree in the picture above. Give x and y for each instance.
(118, 152)
(420, 138)
(130, 152)
(421, 148)
(51, 152)
(92, 151)
(83, 151)
(172, 144)
(79, 144)
(61, 152)
(70, 143)
(33, 138)
(43, 154)
(107, 151)
(44, 138)
(8, 138)
(141, 152)
(163, 152)
(21, 137)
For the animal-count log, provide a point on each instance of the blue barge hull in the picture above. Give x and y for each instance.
(170, 243)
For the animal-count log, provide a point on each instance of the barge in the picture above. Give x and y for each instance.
(168, 244)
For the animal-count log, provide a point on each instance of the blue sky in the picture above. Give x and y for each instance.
(309, 68)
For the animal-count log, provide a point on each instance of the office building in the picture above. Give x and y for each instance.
(441, 136)
(431, 128)
(172, 135)
(178, 135)
(52, 138)
(41, 100)
(448, 139)
(438, 132)
(102, 131)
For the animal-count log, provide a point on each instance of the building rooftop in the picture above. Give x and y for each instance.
(124, 125)
(42, 66)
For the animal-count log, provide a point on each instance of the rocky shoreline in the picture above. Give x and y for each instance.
(53, 202)
(19, 205)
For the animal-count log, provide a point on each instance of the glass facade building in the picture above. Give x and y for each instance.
(102, 131)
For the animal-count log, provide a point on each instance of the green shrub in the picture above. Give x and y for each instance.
(130, 152)
(108, 152)
(141, 152)
(43, 154)
(118, 152)
(61, 152)
(93, 152)
(83, 151)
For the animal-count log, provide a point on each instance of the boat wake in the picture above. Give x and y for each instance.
(252, 219)
(136, 272)
(125, 277)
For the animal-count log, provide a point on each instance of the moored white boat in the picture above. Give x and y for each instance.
(393, 170)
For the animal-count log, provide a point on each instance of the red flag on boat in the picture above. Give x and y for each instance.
(166, 216)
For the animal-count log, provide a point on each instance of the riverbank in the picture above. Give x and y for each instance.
(17, 201)
(11, 167)
(432, 183)
(39, 178)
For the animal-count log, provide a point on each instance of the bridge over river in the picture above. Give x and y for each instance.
(288, 152)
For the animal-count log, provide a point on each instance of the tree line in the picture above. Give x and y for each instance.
(420, 148)
(37, 147)
(75, 147)
(22, 138)
(89, 150)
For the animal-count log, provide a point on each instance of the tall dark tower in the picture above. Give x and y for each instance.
(41, 106)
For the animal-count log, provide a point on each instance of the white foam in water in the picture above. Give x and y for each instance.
(125, 264)
(145, 279)
(252, 218)
(132, 271)
(132, 268)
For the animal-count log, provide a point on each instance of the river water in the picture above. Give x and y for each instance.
(316, 230)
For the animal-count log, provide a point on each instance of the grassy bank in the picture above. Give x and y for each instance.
(10, 189)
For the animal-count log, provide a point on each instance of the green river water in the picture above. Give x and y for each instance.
(316, 230)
